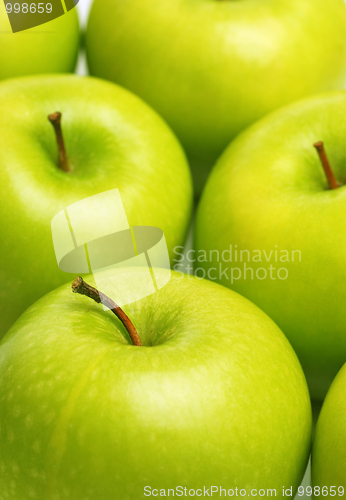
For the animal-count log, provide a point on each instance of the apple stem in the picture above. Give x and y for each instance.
(81, 287)
(55, 120)
(332, 182)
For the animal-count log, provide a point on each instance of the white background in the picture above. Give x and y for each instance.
(84, 6)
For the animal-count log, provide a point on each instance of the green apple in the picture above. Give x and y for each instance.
(268, 206)
(113, 140)
(48, 48)
(213, 67)
(329, 448)
(215, 396)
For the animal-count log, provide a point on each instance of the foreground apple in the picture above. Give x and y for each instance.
(113, 140)
(214, 396)
(49, 48)
(268, 205)
(329, 449)
(212, 67)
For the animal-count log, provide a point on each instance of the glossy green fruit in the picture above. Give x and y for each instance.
(213, 67)
(216, 396)
(268, 197)
(113, 140)
(48, 48)
(329, 449)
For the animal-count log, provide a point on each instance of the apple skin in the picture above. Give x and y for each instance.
(215, 396)
(113, 140)
(211, 68)
(269, 190)
(329, 448)
(48, 48)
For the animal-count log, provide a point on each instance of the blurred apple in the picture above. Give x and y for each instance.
(329, 448)
(213, 67)
(48, 48)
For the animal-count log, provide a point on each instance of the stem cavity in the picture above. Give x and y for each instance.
(55, 120)
(332, 182)
(81, 287)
